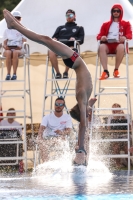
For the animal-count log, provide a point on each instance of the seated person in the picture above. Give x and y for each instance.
(53, 130)
(10, 122)
(117, 119)
(118, 30)
(13, 41)
(70, 31)
(11, 148)
(117, 147)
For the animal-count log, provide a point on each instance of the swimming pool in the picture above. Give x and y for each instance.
(65, 182)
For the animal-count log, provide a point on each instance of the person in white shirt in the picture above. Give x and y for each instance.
(10, 123)
(54, 128)
(13, 41)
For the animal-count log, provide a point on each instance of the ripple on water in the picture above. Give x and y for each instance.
(58, 179)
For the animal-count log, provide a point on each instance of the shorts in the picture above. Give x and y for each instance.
(112, 47)
(22, 52)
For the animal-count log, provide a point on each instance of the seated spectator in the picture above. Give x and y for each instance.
(117, 119)
(10, 149)
(13, 41)
(10, 122)
(70, 31)
(53, 131)
(118, 147)
(112, 37)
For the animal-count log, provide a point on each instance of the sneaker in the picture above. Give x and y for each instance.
(104, 76)
(14, 77)
(8, 77)
(65, 75)
(116, 74)
(58, 76)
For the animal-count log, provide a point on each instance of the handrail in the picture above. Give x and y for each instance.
(125, 47)
(76, 43)
(25, 46)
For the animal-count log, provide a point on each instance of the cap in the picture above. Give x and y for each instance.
(70, 11)
(17, 14)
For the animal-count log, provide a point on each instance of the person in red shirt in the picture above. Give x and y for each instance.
(112, 37)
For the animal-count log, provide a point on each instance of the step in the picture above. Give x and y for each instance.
(9, 141)
(109, 109)
(10, 81)
(111, 124)
(112, 78)
(113, 88)
(11, 158)
(10, 111)
(19, 117)
(109, 140)
(112, 156)
(59, 94)
(62, 79)
(11, 127)
(110, 93)
(108, 114)
(21, 90)
(11, 96)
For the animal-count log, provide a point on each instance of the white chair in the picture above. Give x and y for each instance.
(101, 89)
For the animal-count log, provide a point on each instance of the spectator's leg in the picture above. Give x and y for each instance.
(66, 69)
(124, 148)
(65, 74)
(53, 60)
(16, 54)
(119, 55)
(8, 55)
(103, 51)
(43, 150)
(116, 150)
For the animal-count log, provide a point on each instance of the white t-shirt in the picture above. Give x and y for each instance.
(53, 123)
(114, 31)
(14, 37)
(6, 123)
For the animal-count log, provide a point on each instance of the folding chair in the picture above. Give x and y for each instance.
(18, 93)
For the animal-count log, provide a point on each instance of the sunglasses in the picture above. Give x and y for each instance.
(59, 104)
(117, 11)
(18, 18)
(69, 15)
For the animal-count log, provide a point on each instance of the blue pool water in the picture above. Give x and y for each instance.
(64, 182)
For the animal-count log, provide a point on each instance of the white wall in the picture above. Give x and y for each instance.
(44, 16)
